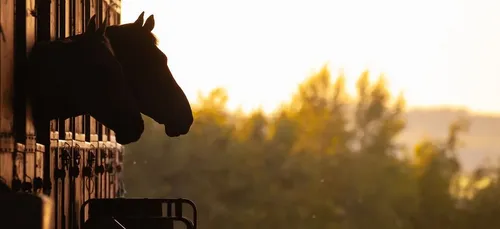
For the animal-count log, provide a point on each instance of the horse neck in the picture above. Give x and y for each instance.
(56, 82)
(54, 107)
(115, 37)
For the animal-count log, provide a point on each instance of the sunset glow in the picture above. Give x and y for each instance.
(438, 52)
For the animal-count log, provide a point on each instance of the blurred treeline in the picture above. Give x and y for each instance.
(324, 160)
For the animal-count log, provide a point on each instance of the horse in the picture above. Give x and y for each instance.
(68, 78)
(146, 70)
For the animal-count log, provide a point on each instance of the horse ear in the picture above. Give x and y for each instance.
(91, 26)
(103, 26)
(140, 19)
(150, 23)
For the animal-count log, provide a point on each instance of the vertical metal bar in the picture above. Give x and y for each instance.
(62, 20)
(43, 32)
(87, 14)
(43, 20)
(61, 25)
(19, 119)
(72, 11)
(97, 186)
(55, 154)
(83, 19)
(169, 209)
(99, 10)
(63, 194)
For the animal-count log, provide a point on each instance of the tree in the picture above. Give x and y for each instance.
(325, 159)
(377, 122)
(318, 111)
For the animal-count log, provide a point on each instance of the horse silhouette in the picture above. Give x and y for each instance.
(146, 70)
(69, 77)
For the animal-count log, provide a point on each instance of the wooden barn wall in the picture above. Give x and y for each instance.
(6, 90)
(87, 145)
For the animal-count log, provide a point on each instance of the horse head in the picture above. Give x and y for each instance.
(146, 69)
(71, 77)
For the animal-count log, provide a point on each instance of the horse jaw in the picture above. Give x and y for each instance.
(175, 133)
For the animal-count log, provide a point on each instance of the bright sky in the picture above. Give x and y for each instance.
(439, 52)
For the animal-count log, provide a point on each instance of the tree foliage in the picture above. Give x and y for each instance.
(326, 159)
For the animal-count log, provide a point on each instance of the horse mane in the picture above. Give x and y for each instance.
(152, 38)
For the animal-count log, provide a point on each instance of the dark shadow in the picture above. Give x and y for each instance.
(146, 70)
(61, 74)
(4, 188)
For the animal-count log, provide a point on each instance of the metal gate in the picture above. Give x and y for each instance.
(76, 159)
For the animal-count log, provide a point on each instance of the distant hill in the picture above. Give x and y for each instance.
(482, 142)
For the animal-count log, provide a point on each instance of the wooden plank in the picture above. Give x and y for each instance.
(20, 162)
(79, 198)
(116, 162)
(29, 160)
(6, 92)
(30, 155)
(93, 131)
(75, 194)
(67, 23)
(39, 162)
(63, 127)
(7, 67)
(64, 186)
(98, 176)
(53, 19)
(79, 130)
(115, 4)
(105, 187)
(56, 191)
(79, 16)
(78, 24)
(30, 26)
(88, 182)
(69, 125)
(50, 155)
(102, 132)
(93, 7)
(112, 136)
(68, 130)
